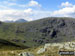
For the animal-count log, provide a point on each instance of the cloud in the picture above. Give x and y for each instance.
(67, 11)
(66, 4)
(14, 15)
(3, 7)
(28, 11)
(31, 3)
(8, 3)
(34, 3)
(27, 14)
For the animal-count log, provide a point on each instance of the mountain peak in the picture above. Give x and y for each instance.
(21, 20)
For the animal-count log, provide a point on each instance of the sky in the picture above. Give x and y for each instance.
(35, 9)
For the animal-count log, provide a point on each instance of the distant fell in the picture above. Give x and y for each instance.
(17, 21)
(20, 21)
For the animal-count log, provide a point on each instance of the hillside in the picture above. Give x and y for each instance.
(6, 45)
(39, 32)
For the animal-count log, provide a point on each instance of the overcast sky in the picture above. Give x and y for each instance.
(35, 9)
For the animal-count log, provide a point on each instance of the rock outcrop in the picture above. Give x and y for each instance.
(67, 45)
(42, 50)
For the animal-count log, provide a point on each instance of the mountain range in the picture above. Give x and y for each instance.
(17, 21)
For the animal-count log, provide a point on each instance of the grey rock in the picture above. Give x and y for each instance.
(42, 50)
(26, 54)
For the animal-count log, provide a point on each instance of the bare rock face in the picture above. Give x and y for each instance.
(26, 54)
(53, 33)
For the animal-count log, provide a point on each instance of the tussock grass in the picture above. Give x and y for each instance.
(51, 51)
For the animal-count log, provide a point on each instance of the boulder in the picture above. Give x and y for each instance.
(42, 50)
(47, 45)
(53, 44)
(26, 54)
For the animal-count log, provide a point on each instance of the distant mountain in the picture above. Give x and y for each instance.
(17, 21)
(7, 21)
(21, 21)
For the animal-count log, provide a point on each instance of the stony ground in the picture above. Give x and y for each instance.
(50, 49)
